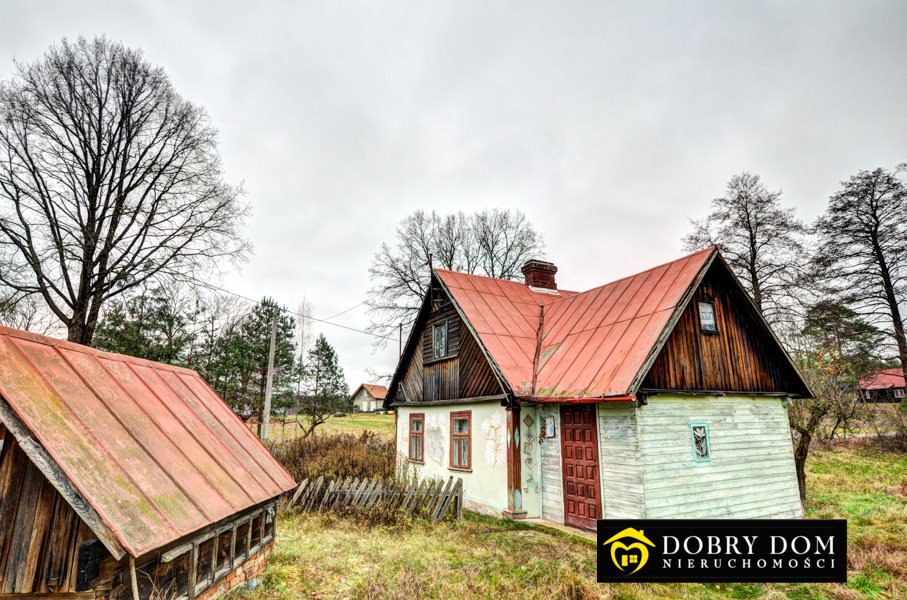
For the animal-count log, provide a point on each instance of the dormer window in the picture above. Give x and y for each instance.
(707, 321)
(439, 338)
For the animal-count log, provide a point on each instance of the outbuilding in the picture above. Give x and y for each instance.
(660, 395)
(369, 397)
(125, 479)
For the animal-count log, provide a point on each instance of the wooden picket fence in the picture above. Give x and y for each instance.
(433, 499)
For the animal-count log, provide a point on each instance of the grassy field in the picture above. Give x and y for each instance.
(354, 423)
(327, 557)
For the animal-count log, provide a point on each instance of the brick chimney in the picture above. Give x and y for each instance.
(540, 274)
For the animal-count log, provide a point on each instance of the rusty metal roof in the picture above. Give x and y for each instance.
(883, 379)
(593, 343)
(378, 392)
(153, 449)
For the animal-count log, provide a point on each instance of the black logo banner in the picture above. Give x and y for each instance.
(722, 550)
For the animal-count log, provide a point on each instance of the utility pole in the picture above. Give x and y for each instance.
(400, 340)
(266, 417)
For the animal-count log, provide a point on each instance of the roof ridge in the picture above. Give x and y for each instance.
(574, 294)
(89, 350)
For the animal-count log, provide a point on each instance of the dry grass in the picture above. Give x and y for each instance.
(337, 456)
(284, 428)
(327, 557)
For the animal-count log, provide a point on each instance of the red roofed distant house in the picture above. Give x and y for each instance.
(120, 475)
(885, 385)
(660, 395)
(369, 397)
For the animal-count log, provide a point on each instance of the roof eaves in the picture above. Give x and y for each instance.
(502, 381)
(672, 321)
(44, 462)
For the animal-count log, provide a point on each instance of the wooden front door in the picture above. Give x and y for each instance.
(579, 452)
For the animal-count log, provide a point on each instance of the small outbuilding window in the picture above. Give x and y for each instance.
(416, 437)
(461, 440)
(899, 393)
(707, 320)
(439, 337)
(701, 444)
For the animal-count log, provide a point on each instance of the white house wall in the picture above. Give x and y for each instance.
(485, 486)
(751, 471)
(620, 464)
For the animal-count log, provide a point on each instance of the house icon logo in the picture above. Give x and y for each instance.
(625, 555)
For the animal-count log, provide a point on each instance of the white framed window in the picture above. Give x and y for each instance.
(899, 393)
(439, 340)
(707, 321)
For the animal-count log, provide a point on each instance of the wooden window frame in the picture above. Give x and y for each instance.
(714, 316)
(461, 414)
(708, 443)
(419, 434)
(434, 346)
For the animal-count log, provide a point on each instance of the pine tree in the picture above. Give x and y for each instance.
(324, 386)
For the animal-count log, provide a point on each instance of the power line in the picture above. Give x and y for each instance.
(300, 315)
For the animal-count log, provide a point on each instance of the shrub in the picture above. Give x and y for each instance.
(337, 456)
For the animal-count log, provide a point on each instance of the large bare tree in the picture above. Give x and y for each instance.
(494, 242)
(863, 249)
(760, 239)
(108, 178)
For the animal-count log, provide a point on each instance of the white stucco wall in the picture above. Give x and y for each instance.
(485, 486)
(751, 471)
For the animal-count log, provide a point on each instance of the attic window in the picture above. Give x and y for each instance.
(707, 321)
(701, 444)
(439, 340)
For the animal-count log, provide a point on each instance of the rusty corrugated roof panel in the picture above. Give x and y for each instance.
(152, 448)
(883, 379)
(593, 343)
(378, 392)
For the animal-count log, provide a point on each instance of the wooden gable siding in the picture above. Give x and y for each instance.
(464, 373)
(39, 532)
(740, 357)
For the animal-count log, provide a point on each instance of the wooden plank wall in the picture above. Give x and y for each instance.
(464, 373)
(39, 532)
(751, 472)
(476, 377)
(552, 470)
(445, 312)
(741, 357)
(620, 463)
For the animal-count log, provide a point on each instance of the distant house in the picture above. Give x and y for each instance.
(885, 385)
(122, 478)
(369, 397)
(659, 395)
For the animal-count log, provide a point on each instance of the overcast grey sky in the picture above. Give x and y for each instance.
(608, 124)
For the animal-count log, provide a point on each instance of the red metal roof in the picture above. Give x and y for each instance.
(593, 343)
(378, 392)
(153, 449)
(883, 380)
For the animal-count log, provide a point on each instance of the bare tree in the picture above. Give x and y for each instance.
(108, 178)
(760, 239)
(863, 249)
(494, 242)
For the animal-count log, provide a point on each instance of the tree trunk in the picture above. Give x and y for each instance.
(897, 322)
(80, 332)
(801, 452)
